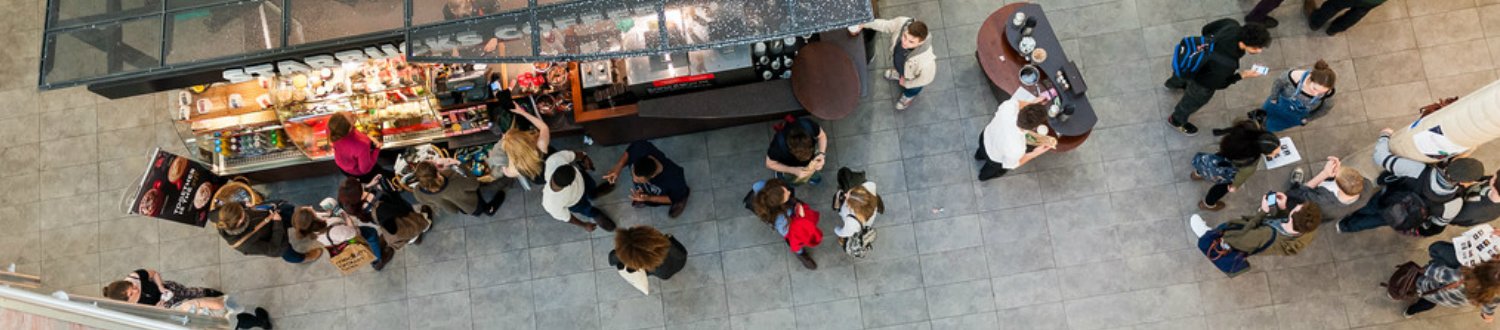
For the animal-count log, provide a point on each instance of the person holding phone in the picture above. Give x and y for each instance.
(1338, 190)
(1220, 69)
(1290, 224)
(658, 180)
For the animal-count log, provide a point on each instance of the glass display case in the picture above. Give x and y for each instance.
(279, 121)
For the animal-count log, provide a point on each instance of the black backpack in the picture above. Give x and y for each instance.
(1402, 204)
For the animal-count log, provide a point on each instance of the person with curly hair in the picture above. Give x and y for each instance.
(1445, 282)
(644, 248)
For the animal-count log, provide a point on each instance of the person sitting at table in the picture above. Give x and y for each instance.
(913, 63)
(658, 180)
(1017, 135)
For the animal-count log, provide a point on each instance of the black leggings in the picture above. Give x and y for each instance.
(1422, 305)
(1216, 193)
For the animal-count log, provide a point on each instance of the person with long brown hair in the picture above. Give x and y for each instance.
(645, 248)
(325, 230)
(1446, 282)
(775, 204)
(258, 230)
(1299, 96)
(400, 223)
(521, 152)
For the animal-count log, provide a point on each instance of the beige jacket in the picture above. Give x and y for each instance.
(921, 64)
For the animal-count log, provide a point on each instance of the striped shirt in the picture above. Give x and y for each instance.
(1437, 277)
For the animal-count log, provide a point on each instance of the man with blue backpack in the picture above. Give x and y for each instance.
(1208, 63)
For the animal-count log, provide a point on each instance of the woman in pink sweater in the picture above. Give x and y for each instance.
(356, 155)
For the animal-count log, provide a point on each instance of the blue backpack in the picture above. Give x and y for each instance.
(1190, 54)
(1214, 168)
(1228, 260)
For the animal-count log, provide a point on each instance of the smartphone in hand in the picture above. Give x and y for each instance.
(1260, 69)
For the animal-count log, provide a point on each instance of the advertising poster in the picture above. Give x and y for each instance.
(175, 188)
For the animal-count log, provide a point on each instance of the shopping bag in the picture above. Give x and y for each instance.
(637, 279)
(350, 255)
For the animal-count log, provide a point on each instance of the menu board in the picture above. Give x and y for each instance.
(175, 188)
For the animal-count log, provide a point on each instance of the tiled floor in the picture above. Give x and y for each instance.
(1088, 239)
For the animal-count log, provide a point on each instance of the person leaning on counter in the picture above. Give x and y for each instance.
(1016, 135)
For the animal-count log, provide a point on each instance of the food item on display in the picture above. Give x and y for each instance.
(203, 195)
(264, 100)
(557, 76)
(150, 202)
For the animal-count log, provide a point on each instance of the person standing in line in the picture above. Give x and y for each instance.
(1015, 136)
(1290, 225)
(1445, 282)
(258, 230)
(398, 220)
(453, 191)
(1299, 96)
(644, 248)
(797, 151)
(658, 180)
(1356, 11)
(1220, 68)
(331, 230)
(1243, 147)
(774, 203)
(354, 152)
(1337, 190)
(1481, 203)
(520, 152)
(570, 191)
(913, 63)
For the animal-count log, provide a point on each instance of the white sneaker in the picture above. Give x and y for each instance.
(902, 103)
(1198, 226)
(890, 74)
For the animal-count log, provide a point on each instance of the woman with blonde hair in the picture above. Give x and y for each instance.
(520, 153)
(644, 248)
(858, 204)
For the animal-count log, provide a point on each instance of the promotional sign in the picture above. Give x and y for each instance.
(175, 188)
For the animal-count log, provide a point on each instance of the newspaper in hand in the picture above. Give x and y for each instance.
(1476, 245)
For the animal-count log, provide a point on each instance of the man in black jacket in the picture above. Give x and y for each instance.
(1221, 68)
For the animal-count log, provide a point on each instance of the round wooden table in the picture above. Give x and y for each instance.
(825, 81)
(1002, 64)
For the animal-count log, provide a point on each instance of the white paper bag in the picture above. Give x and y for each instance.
(638, 280)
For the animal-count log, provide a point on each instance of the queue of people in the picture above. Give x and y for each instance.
(1411, 197)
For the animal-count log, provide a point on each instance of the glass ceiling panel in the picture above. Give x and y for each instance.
(223, 31)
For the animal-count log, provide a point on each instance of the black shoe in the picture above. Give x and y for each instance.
(212, 293)
(386, 254)
(260, 319)
(1186, 128)
(1219, 131)
(1269, 22)
(604, 222)
(495, 202)
(1174, 83)
(602, 189)
(806, 258)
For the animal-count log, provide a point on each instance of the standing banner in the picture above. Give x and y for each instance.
(175, 188)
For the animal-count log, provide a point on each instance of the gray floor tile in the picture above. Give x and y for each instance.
(568, 318)
(387, 315)
(506, 306)
(446, 276)
(772, 319)
(893, 308)
(561, 259)
(758, 294)
(565, 291)
(691, 305)
(839, 314)
(889, 276)
(495, 237)
(633, 313)
(441, 311)
(499, 268)
(960, 299)
(954, 266)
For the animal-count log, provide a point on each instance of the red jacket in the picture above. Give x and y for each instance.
(802, 229)
(355, 154)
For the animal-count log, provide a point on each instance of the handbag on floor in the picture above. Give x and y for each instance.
(1228, 260)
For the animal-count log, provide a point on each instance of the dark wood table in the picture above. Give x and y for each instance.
(997, 56)
(820, 81)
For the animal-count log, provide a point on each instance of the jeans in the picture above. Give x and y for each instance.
(372, 236)
(291, 255)
(1194, 97)
(585, 206)
(1443, 254)
(910, 92)
(1262, 10)
(1343, 22)
(1366, 218)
